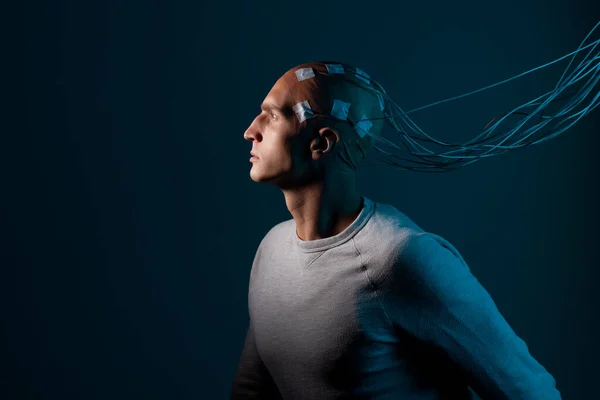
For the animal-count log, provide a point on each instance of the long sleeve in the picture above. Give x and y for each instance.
(252, 379)
(434, 296)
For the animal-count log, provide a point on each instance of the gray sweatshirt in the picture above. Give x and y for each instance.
(382, 310)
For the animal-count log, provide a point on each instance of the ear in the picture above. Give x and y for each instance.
(324, 142)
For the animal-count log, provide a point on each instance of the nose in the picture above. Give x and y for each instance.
(253, 133)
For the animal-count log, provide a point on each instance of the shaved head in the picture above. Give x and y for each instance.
(321, 90)
(317, 120)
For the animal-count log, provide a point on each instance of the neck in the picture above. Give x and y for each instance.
(324, 208)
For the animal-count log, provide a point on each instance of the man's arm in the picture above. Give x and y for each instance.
(252, 380)
(434, 296)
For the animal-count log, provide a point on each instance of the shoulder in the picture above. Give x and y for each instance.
(429, 263)
(270, 246)
(405, 238)
(278, 232)
(275, 236)
(394, 245)
(421, 247)
(387, 232)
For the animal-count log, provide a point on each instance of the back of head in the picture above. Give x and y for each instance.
(341, 97)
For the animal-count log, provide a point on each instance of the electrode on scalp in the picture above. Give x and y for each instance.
(303, 111)
(304, 73)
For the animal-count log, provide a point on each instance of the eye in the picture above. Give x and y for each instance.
(273, 116)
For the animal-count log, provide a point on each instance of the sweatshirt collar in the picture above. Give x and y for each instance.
(310, 246)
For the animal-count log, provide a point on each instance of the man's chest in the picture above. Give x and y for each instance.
(312, 317)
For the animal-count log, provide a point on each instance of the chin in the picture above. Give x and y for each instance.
(256, 176)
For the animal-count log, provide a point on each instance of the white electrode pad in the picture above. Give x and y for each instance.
(304, 73)
(303, 111)
(340, 109)
(362, 75)
(335, 68)
(362, 127)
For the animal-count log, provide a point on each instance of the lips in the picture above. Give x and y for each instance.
(253, 155)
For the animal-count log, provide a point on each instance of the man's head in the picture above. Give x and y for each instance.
(309, 125)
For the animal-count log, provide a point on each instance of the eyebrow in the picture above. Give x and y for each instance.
(267, 106)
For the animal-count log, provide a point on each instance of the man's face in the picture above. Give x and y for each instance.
(282, 152)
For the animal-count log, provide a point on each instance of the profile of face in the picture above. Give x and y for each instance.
(281, 145)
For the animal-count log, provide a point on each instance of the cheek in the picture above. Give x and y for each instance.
(278, 148)
(282, 148)
(281, 156)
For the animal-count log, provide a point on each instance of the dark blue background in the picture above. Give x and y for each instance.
(129, 221)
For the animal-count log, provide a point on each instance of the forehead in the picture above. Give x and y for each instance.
(281, 94)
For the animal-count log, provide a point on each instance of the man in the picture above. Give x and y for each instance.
(350, 298)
